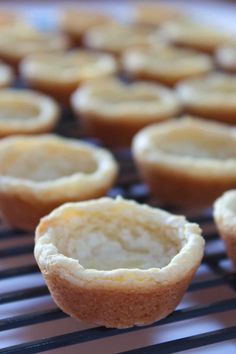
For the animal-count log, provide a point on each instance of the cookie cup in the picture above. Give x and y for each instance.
(187, 162)
(117, 263)
(38, 174)
(26, 112)
(60, 74)
(113, 111)
(225, 218)
(211, 97)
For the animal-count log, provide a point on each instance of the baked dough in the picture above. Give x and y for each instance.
(59, 74)
(75, 22)
(225, 218)
(37, 174)
(114, 111)
(26, 112)
(165, 64)
(6, 74)
(211, 97)
(226, 57)
(189, 33)
(115, 262)
(16, 42)
(114, 37)
(187, 162)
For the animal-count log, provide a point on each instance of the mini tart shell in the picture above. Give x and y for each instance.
(24, 201)
(196, 35)
(136, 63)
(225, 219)
(185, 180)
(116, 127)
(19, 41)
(199, 97)
(75, 22)
(35, 70)
(42, 122)
(114, 38)
(121, 297)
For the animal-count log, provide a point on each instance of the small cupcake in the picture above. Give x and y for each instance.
(211, 97)
(75, 22)
(37, 174)
(156, 64)
(187, 162)
(225, 218)
(195, 35)
(114, 38)
(226, 57)
(117, 263)
(26, 112)
(114, 111)
(19, 41)
(59, 74)
(147, 14)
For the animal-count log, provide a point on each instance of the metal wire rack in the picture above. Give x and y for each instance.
(219, 281)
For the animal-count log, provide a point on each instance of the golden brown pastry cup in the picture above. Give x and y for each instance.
(117, 297)
(181, 179)
(13, 102)
(225, 218)
(139, 64)
(188, 33)
(75, 22)
(25, 199)
(211, 97)
(49, 72)
(113, 128)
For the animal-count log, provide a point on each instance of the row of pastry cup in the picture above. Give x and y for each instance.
(183, 153)
(109, 105)
(112, 37)
(101, 257)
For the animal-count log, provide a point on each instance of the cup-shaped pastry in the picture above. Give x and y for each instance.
(59, 74)
(26, 112)
(225, 218)
(147, 14)
(115, 262)
(114, 111)
(75, 22)
(19, 41)
(212, 97)
(187, 162)
(37, 174)
(6, 74)
(114, 37)
(165, 64)
(189, 33)
(226, 57)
